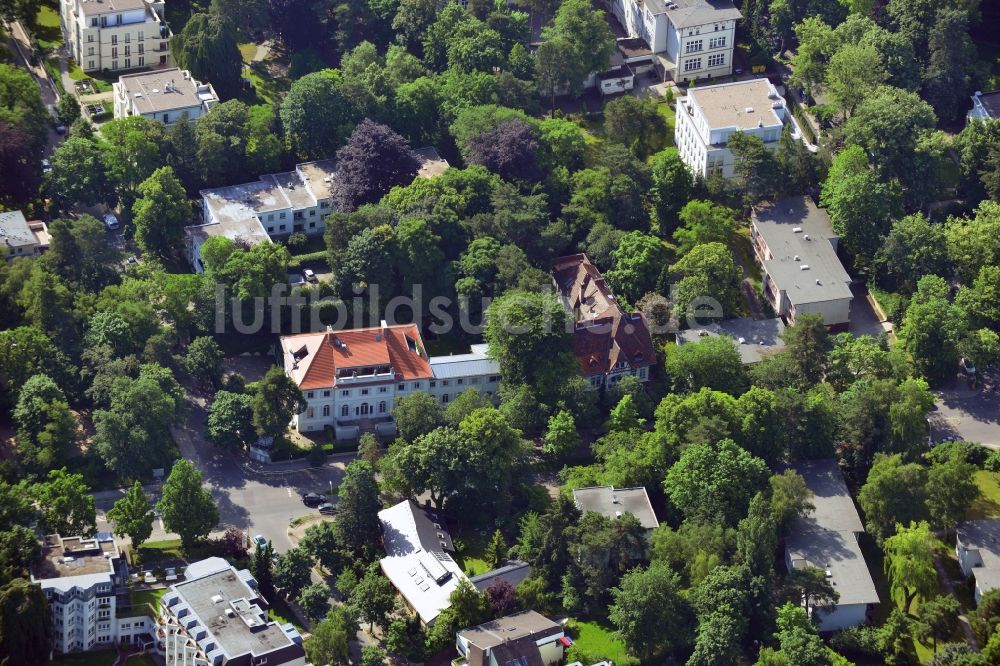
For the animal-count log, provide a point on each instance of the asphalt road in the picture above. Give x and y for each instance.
(966, 413)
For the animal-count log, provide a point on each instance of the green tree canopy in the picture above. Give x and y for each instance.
(186, 507)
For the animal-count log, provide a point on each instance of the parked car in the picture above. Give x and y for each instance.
(968, 366)
(295, 279)
(46, 166)
(327, 509)
(111, 221)
(310, 275)
(259, 541)
(313, 499)
(60, 130)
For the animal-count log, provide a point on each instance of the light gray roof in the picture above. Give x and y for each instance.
(430, 161)
(755, 339)
(614, 502)
(837, 553)
(689, 13)
(229, 609)
(166, 90)
(982, 536)
(514, 572)
(474, 364)
(512, 627)
(14, 230)
(741, 105)
(89, 7)
(799, 234)
(834, 509)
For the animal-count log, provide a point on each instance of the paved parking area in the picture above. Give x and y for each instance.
(971, 414)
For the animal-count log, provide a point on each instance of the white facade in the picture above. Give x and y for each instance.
(709, 115)
(116, 35)
(166, 96)
(692, 39)
(21, 238)
(984, 106)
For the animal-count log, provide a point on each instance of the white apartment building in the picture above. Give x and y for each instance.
(164, 95)
(79, 577)
(116, 35)
(709, 115)
(217, 617)
(351, 379)
(278, 205)
(691, 39)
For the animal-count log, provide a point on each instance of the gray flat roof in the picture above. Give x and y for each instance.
(839, 554)
(755, 339)
(14, 229)
(797, 234)
(610, 501)
(834, 508)
(743, 104)
(512, 627)
(475, 363)
(166, 90)
(295, 190)
(514, 573)
(694, 12)
(75, 561)
(318, 176)
(211, 595)
(89, 7)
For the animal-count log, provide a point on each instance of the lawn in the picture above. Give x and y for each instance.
(102, 658)
(470, 554)
(158, 551)
(267, 88)
(282, 614)
(988, 504)
(48, 34)
(248, 51)
(670, 115)
(141, 601)
(594, 642)
(140, 660)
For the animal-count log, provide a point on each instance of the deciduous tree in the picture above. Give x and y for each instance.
(133, 516)
(186, 507)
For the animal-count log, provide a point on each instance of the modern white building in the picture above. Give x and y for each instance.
(522, 639)
(827, 539)
(977, 546)
(613, 503)
(351, 378)
(116, 35)
(278, 205)
(690, 39)
(164, 95)
(21, 238)
(217, 617)
(79, 577)
(984, 106)
(796, 246)
(707, 116)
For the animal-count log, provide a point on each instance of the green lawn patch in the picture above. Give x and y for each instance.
(268, 89)
(153, 552)
(282, 613)
(593, 642)
(248, 51)
(445, 346)
(470, 555)
(142, 600)
(102, 658)
(48, 34)
(988, 503)
(670, 115)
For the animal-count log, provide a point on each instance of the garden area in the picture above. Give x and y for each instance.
(593, 642)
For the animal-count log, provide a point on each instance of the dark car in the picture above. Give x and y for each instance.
(327, 509)
(313, 499)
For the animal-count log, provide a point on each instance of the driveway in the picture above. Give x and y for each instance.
(966, 413)
(864, 319)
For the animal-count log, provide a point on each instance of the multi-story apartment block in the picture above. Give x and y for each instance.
(608, 342)
(278, 205)
(351, 379)
(692, 39)
(79, 577)
(116, 35)
(709, 115)
(217, 617)
(166, 95)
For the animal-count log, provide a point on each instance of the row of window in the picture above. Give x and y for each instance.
(714, 60)
(697, 31)
(697, 45)
(346, 393)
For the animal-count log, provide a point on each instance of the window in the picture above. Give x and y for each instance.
(114, 64)
(310, 413)
(309, 394)
(717, 60)
(128, 37)
(128, 50)
(90, 38)
(114, 39)
(281, 216)
(494, 378)
(142, 60)
(364, 391)
(270, 217)
(93, 23)
(716, 42)
(128, 65)
(460, 381)
(270, 230)
(282, 227)
(90, 51)
(401, 387)
(692, 64)
(326, 410)
(694, 46)
(312, 225)
(444, 398)
(416, 385)
(142, 36)
(344, 411)
(445, 382)
(381, 407)
(383, 389)
(432, 383)
(474, 380)
(114, 52)
(345, 393)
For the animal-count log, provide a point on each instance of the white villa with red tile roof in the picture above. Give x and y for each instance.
(351, 378)
(608, 342)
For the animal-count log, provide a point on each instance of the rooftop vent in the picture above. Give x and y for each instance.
(796, 230)
(804, 267)
(807, 237)
(749, 109)
(818, 282)
(230, 612)
(743, 341)
(217, 599)
(796, 257)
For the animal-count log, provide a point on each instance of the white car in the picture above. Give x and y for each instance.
(259, 540)
(46, 166)
(111, 221)
(310, 275)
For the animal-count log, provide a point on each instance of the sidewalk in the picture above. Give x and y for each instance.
(25, 50)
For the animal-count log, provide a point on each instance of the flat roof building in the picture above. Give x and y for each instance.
(522, 639)
(756, 339)
(796, 245)
(827, 539)
(165, 95)
(21, 238)
(614, 502)
(217, 617)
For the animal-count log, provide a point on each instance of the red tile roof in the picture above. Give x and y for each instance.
(605, 334)
(319, 356)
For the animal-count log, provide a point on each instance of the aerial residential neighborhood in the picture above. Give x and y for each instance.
(499, 333)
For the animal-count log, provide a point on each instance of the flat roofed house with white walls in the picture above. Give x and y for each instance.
(166, 95)
(116, 35)
(707, 116)
(796, 246)
(217, 617)
(351, 378)
(278, 204)
(21, 238)
(827, 539)
(977, 546)
(522, 639)
(613, 503)
(80, 578)
(690, 39)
